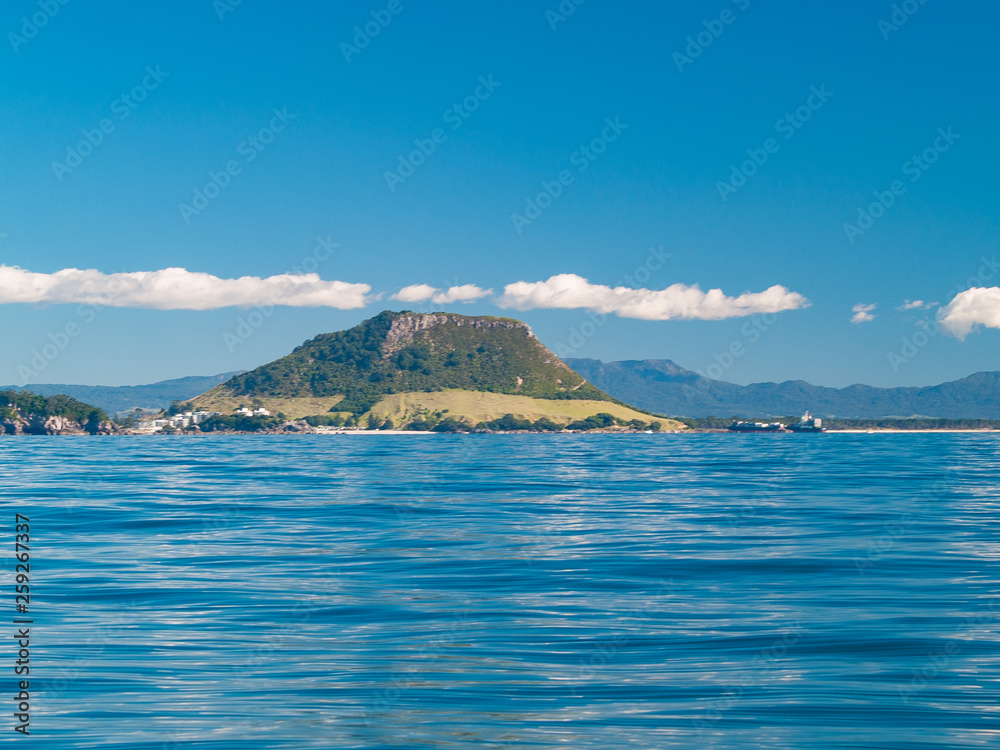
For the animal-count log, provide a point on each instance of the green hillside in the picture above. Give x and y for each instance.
(428, 371)
(30, 414)
(411, 352)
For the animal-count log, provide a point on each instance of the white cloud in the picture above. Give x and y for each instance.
(569, 291)
(176, 289)
(863, 313)
(415, 293)
(464, 293)
(917, 304)
(422, 292)
(975, 306)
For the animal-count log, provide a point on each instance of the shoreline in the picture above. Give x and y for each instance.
(336, 431)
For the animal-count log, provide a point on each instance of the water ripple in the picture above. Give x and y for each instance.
(512, 591)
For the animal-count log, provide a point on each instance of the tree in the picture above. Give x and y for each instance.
(450, 424)
(544, 424)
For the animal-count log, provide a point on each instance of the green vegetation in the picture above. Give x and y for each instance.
(911, 423)
(441, 421)
(325, 420)
(240, 423)
(477, 407)
(24, 404)
(832, 423)
(409, 352)
(596, 422)
(511, 423)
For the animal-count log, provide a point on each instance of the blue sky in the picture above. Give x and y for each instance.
(183, 93)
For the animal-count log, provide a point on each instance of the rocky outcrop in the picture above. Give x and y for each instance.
(298, 425)
(37, 424)
(405, 327)
(110, 428)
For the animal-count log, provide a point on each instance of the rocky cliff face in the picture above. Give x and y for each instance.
(405, 327)
(36, 424)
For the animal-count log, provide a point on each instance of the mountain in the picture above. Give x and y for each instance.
(28, 414)
(116, 399)
(662, 386)
(399, 365)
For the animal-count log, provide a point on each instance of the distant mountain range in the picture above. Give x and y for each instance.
(662, 386)
(116, 399)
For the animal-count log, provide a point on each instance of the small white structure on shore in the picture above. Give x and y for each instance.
(178, 421)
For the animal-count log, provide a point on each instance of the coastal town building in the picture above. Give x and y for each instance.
(259, 412)
(178, 421)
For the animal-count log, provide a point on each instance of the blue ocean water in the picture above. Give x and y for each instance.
(509, 591)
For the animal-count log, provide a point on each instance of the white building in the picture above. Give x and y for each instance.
(260, 412)
(178, 421)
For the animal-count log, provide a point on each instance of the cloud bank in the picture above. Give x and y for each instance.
(422, 292)
(676, 302)
(176, 289)
(971, 308)
(863, 313)
(180, 289)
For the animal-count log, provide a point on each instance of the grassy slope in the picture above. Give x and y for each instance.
(480, 406)
(219, 399)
